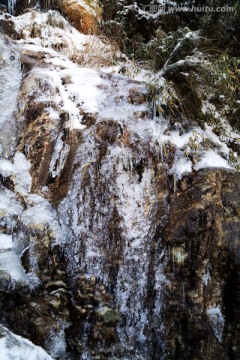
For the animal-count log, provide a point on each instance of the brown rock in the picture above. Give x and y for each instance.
(83, 15)
(202, 230)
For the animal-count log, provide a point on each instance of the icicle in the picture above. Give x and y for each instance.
(183, 290)
(11, 6)
(174, 183)
(161, 152)
(131, 166)
(48, 4)
(154, 110)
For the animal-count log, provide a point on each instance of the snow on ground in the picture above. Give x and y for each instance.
(50, 32)
(14, 347)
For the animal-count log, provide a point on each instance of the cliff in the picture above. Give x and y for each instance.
(119, 199)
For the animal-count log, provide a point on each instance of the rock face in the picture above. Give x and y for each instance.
(19, 7)
(84, 15)
(202, 238)
(16, 7)
(117, 241)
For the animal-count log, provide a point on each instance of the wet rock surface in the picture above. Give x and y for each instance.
(202, 238)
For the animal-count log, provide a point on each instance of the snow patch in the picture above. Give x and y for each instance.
(217, 321)
(212, 160)
(19, 171)
(9, 205)
(9, 260)
(6, 242)
(182, 165)
(41, 216)
(57, 344)
(15, 347)
(59, 157)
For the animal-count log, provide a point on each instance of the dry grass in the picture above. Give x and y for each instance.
(98, 52)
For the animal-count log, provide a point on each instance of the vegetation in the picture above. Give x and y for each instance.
(197, 54)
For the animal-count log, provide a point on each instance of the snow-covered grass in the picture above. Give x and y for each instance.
(51, 32)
